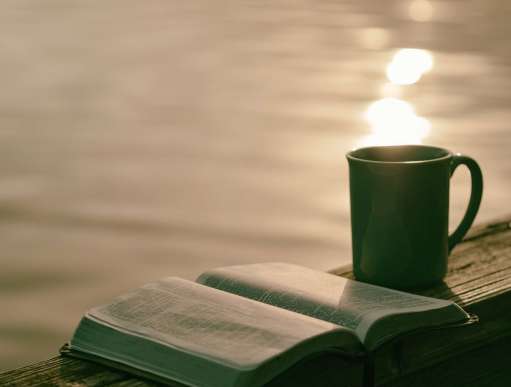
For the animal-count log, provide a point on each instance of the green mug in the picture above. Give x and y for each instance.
(400, 213)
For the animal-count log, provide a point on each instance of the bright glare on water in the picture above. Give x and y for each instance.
(394, 122)
(408, 66)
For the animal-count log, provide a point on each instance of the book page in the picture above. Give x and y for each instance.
(209, 322)
(354, 305)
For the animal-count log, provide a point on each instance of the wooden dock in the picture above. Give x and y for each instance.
(479, 279)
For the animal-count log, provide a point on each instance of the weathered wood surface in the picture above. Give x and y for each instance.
(479, 279)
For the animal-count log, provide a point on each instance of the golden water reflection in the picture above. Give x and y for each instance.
(393, 122)
(408, 66)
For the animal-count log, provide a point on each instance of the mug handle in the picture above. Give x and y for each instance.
(475, 197)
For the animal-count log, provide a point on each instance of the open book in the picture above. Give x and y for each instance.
(246, 325)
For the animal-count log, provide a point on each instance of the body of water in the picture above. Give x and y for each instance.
(145, 139)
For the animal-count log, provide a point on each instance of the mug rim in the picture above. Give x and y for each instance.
(448, 154)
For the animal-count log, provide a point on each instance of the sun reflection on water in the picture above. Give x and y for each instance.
(393, 122)
(408, 66)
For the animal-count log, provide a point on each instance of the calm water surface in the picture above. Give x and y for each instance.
(146, 139)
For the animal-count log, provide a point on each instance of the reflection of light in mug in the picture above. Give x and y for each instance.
(393, 121)
(408, 66)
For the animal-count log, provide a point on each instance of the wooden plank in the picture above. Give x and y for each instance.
(61, 371)
(484, 366)
(479, 278)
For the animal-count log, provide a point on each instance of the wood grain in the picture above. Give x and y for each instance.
(479, 279)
